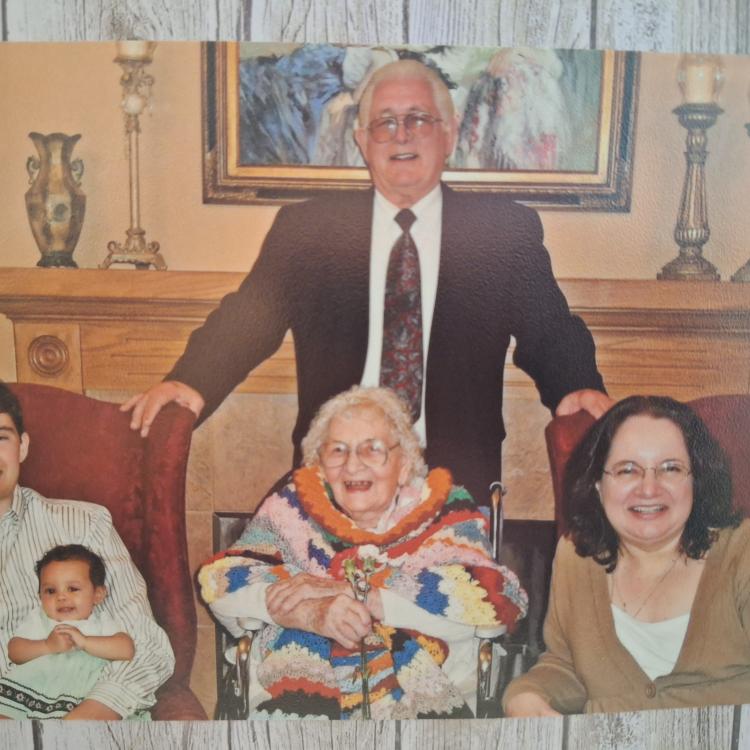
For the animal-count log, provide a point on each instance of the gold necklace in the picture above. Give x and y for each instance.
(616, 591)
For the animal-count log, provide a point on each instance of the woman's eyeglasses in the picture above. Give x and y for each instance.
(417, 124)
(372, 453)
(667, 473)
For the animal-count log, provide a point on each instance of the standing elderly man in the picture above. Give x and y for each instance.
(409, 285)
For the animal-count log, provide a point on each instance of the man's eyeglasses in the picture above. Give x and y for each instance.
(373, 453)
(667, 473)
(416, 124)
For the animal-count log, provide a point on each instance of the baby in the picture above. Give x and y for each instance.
(60, 649)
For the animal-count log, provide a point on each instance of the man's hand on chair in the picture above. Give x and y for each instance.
(147, 405)
(594, 402)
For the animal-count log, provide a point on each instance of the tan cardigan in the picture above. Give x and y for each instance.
(586, 668)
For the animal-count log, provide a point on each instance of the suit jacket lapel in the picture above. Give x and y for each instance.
(441, 316)
(357, 259)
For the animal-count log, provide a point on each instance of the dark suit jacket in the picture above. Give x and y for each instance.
(495, 281)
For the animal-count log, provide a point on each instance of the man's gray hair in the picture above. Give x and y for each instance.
(384, 400)
(407, 70)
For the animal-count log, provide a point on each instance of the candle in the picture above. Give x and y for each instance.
(700, 78)
(136, 50)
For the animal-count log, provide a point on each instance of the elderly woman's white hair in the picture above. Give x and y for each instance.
(384, 400)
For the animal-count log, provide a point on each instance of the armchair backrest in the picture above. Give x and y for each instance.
(727, 418)
(84, 449)
(562, 435)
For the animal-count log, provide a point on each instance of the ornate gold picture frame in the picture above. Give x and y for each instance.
(550, 127)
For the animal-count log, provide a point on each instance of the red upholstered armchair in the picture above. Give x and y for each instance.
(84, 449)
(727, 418)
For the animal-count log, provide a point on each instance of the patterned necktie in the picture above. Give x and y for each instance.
(401, 362)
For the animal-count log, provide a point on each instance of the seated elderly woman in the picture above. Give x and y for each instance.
(650, 598)
(361, 509)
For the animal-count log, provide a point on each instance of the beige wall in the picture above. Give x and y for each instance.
(74, 88)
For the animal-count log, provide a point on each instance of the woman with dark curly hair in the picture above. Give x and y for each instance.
(650, 597)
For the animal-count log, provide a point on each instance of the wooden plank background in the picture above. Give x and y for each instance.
(716, 728)
(658, 25)
(720, 26)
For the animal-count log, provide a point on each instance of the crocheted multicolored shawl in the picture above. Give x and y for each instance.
(436, 556)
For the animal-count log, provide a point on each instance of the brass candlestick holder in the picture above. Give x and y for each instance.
(133, 57)
(691, 231)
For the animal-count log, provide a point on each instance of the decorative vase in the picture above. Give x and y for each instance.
(55, 202)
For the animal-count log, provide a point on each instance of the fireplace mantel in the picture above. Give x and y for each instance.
(122, 330)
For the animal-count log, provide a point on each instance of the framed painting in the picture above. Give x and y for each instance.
(550, 127)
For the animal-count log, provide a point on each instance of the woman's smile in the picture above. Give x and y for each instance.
(357, 485)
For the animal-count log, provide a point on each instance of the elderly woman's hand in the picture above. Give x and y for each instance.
(338, 617)
(285, 596)
(527, 705)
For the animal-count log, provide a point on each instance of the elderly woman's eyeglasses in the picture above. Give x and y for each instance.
(373, 453)
(417, 124)
(667, 473)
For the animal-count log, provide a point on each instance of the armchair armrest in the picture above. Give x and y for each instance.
(178, 704)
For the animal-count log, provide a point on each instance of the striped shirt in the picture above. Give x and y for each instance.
(34, 525)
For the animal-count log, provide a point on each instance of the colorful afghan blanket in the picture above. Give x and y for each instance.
(436, 556)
